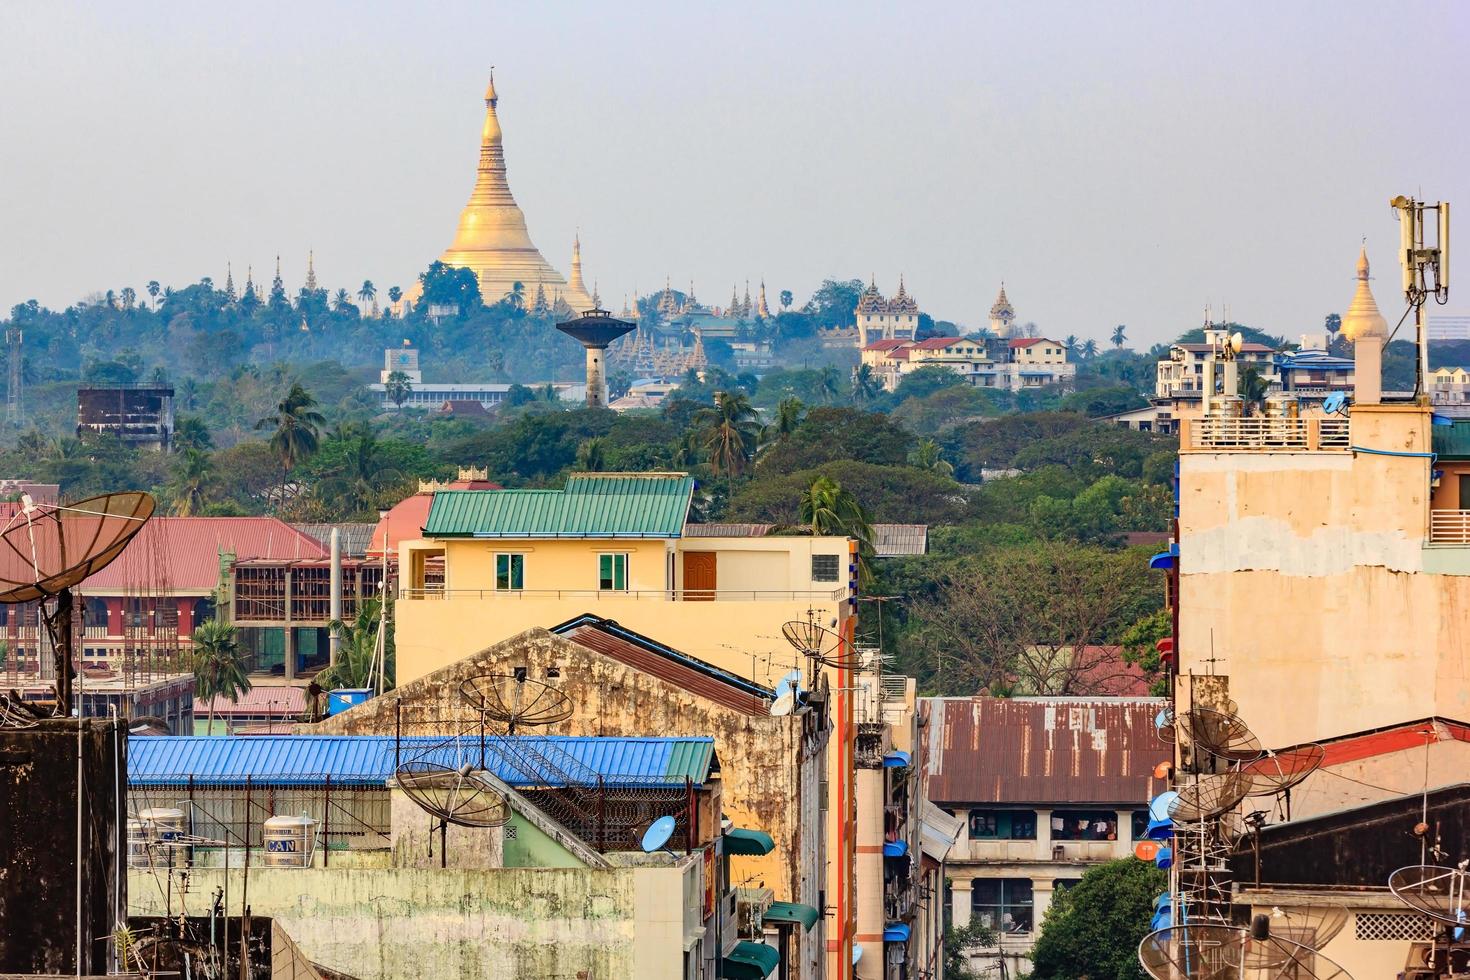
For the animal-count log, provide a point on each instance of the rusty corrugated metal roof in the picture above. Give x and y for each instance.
(182, 554)
(1042, 750)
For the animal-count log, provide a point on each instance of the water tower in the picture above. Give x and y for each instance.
(595, 330)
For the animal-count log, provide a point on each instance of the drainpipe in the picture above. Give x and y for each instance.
(334, 639)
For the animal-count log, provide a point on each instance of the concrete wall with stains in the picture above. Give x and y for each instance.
(538, 924)
(771, 768)
(1308, 578)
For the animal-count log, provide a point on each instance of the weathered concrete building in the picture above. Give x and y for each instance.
(622, 683)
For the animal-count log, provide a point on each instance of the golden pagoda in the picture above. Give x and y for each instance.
(492, 238)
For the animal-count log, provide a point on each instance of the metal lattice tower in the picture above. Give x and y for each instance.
(14, 405)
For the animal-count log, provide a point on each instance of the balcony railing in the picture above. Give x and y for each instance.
(1265, 433)
(1449, 526)
(647, 595)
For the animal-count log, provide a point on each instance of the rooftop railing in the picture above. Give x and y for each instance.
(1264, 433)
(1449, 527)
(647, 595)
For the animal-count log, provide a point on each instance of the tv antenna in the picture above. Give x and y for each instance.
(47, 549)
(1426, 272)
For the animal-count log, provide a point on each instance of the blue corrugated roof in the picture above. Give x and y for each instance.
(368, 760)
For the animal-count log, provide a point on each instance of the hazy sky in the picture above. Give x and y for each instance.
(1113, 163)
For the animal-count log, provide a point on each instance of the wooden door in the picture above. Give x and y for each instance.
(699, 576)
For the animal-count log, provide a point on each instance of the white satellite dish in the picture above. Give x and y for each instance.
(783, 705)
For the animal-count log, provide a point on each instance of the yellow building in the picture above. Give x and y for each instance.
(492, 238)
(612, 545)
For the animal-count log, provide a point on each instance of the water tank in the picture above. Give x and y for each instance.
(343, 698)
(137, 844)
(163, 828)
(289, 841)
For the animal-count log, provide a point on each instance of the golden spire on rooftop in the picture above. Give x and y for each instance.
(1362, 318)
(492, 239)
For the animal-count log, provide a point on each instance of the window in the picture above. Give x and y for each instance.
(825, 568)
(1059, 885)
(612, 573)
(1003, 904)
(1140, 824)
(1003, 824)
(1084, 825)
(510, 573)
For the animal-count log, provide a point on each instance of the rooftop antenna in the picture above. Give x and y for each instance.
(1426, 272)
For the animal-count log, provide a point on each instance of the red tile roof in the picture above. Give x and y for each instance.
(406, 519)
(937, 343)
(1029, 341)
(277, 700)
(1043, 750)
(888, 344)
(181, 554)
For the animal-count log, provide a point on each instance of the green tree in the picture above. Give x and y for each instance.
(394, 295)
(729, 434)
(295, 427)
(153, 290)
(789, 412)
(865, 385)
(827, 509)
(191, 476)
(959, 941)
(829, 385)
(1089, 349)
(398, 387)
(218, 667)
(367, 293)
(1119, 335)
(591, 456)
(357, 651)
(1333, 324)
(190, 432)
(1092, 930)
(1097, 402)
(927, 455)
(1252, 387)
(445, 285)
(786, 300)
(356, 484)
(516, 296)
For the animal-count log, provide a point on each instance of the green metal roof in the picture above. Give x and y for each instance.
(755, 842)
(593, 505)
(750, 961)
(1451, 441)
(792, 912)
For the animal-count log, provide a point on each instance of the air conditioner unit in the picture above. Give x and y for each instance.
(751, 906)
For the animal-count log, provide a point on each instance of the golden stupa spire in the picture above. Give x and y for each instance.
(1362, 318)
(492, 239)
(311, 271)
(575, 280)
(762, 310)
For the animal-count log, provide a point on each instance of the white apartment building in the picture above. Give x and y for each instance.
(1032, 362)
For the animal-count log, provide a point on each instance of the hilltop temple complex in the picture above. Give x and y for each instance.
(493, 241)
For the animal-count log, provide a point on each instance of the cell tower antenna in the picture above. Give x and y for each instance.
(14, 403)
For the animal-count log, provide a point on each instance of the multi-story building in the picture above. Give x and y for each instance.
(139, 413)
(886, 319)
(1012, 365)
(1047, 788)
(1449, 386)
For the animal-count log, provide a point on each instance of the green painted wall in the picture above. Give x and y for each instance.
(527, 846)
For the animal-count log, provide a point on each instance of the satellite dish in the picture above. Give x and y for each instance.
(1277, 772)
(1237, 341)
(791, 682)
(46, 549)
(1198, 951)
(1164, 725)
(1437, 892)
(821, 644)
(1206, 796)
(1224, 736)
(516, 701)
(657, 835)
(1159, 808)
(458, 796)
(1334, 403)
(1146, 850)
(783, 705)
(1164, 859)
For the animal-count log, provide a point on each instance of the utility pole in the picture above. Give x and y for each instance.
(14, 405)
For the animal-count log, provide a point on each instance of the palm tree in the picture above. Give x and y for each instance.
(153, 290)
(1118, 334)
(190, 432)
(394, 295)
(1089, 349)
(357, 651)
(928, 456)
(590, 456)
(729, 433)
(789, 411)
(367, 293)
(1070, 343)
(786, 299)
(865, 385)
(829, 384)
(357, 482)
(297, 426)
(218, 667)
(341, 300)
(129, 297)
(192, 475)
(398, 387)
(516, 297)
(827, 509)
